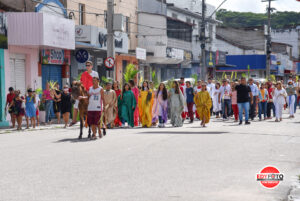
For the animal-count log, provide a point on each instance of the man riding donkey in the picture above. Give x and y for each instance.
(83, 98)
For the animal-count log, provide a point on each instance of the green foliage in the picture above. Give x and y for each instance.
(78, 77)
(195, 77)
(170, 84)
(39, 91)
(130, 72)
(42, 106)
(244, 75)
(247, 19)
(52, 84)
(155, 80)
(273, 78)
(105, 80)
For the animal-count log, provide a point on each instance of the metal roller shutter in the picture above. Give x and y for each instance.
(51, 73)
(17, 73)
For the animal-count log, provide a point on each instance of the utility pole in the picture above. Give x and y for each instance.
(203, 69)
(110, 36)
(269, 39)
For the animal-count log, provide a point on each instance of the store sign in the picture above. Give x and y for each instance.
(220, 57)
(188, 55)
(141, 53)
(82, 55)
(55, 56)
(175, 53)
(210, 59)
(3, 31)
(58, 32)
(83, 33)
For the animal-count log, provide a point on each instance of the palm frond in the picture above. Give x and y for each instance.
(130, 72)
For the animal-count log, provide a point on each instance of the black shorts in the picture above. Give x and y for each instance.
(56, 107)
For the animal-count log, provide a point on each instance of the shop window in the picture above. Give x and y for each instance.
(81, 14)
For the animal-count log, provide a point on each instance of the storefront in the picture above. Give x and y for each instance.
(93, 40)
(55, 66)
(41, 53)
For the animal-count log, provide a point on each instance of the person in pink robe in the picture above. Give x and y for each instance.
(135, 91)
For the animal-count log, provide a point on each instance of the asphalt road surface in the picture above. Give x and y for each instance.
(217, 163)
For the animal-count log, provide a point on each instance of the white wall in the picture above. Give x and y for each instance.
(291, 37)
(153, 40)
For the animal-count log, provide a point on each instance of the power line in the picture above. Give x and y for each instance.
(72, 10)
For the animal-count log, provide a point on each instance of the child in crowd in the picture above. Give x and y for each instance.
(30, 108)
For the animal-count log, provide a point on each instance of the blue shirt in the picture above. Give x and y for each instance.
(254, 89)
(189, 95)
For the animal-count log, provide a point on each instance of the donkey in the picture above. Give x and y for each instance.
(79, 90)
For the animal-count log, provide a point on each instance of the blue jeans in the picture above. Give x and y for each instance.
(244, 107)
(161, 121)
(48, 109)
(262, 109)
(226, 103)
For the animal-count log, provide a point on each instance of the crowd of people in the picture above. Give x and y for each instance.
(148, 106)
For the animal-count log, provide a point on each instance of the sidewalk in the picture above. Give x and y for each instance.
(42, 126)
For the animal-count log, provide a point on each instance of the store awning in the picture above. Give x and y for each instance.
(162, 60)
(86, 46)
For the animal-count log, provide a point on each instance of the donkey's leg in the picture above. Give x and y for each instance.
(81, 127)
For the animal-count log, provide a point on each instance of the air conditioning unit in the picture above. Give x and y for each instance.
(119, 23)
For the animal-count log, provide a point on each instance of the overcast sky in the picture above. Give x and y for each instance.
(256, 5)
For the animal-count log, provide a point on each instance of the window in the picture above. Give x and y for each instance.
(179, 30)
(175, 16)
(81, 14)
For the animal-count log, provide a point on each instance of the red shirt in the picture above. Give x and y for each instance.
(118, 92)
(87, 80)
(270, 90)
(10, 97)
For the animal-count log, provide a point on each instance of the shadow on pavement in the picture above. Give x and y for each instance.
(184, 132)
(74, 140)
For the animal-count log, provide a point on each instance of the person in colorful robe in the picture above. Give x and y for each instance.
(160, 106)
(135, 91)
(176, 105)
(126, 106)
(145, 105)
(197, 89)
(182, 88)
(110, 99)
(203, 104)
(116, 88)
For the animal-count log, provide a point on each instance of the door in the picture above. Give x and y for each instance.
(51, 73)
(17, 72)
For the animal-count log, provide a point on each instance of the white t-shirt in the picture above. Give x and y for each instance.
(279, 96)
(95, 99)
(211, 88)
(94, 74)
(225, 91)
(37, 99)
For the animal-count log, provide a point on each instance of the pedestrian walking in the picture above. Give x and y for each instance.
(111, 101)
(291, 91)
(270, 104)
(8, 107)
(255, 92)
(135, 91)
(196, 90)
(189, 91)
(19, 108)
(244, 99)
(176, 105)
(96, 99)
(57, 102)
(225, 99)
(234, 102)
(217, 107)
(66, 105)
(262, 102)
(37, 110)
(210, 88)
(126, 106)
(182, 87)
(203, 104)
(48, 98)
(87, 80)
(30, 110)
(279, 96)
(160, 105)
(145, 105)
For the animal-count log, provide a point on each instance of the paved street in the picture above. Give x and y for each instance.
(217, 163)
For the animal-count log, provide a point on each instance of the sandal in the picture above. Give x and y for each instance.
(94, 137)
